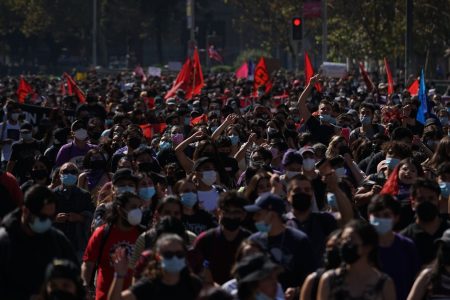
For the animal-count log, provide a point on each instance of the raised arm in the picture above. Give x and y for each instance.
(343, 203)
(241, 153)
(305, 114)
(185, 161)
(230, 119)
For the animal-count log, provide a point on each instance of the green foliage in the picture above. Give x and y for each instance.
(253, 54)
(222, 69)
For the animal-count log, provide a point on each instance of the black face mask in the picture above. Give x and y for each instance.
(332, 258)
(39, 174)
(349, 253)
(134, 142)
(145, 167)
(61, 295)
(344, 150)
(98, 165)
(301, 202)
(230, 224)
(427, 211)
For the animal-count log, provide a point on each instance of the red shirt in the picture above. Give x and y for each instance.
(117, 238)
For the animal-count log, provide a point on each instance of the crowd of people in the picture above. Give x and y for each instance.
(233, 194)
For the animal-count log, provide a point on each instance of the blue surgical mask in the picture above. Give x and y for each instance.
(331, 200)
(327, 119)
(173, 265)
(124, 189)
(234, 139)
(392, 162)
(189, 199)
(443, 120)
(164, 145)
(262, 296)
(39, 226)
(263, 227)
(365, 120)
(382, 225)
(445, 189)
(340, 172)
(146, 193)
(108, 122)
(68, 179)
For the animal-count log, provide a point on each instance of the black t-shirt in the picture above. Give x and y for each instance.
(320, 192)
(425, 241)
(320, 133)
(219, 252)
(292, 250)
(23, 154)
(198, 222)
(317, 228)
(187, 288)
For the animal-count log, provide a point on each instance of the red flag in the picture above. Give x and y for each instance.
(62, 88)
(242, 72)
(309, 72)
(389, 78)
(262, 76)
(73, 89)
(414, 88)
(159, 127)
(213, 54)
(369, 83)
(190, 78)
(200, 119)
(24, 90)
(146, 130)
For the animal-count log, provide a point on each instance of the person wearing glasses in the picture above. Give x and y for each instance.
(167, 274)
(74, 208)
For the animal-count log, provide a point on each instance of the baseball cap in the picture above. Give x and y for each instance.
(306, 149)
(26, 126)
(431, 121)
(254, 268)
(268, 201)
(124, 173)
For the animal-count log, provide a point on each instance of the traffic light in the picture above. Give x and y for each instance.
(297, 28)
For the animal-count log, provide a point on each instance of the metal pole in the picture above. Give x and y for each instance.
(324, 31)
(408, 38)
(190, 15)
(94, 33)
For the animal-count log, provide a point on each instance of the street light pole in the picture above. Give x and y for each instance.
(94, 33)
(190, 15)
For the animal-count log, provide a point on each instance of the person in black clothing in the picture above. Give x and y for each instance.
(218, 245)
(23, 153)
(428, 226)
(60, 136)
(92, 108)
(168, 276)
(28, 243)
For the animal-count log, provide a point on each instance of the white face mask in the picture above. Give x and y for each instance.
(81, 134)
(209, 177)
(134, 216)
(309, 164)
(290, 174)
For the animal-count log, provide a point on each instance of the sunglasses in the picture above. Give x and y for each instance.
(171, 254)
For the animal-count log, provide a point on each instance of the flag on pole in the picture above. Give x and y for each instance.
(24, 90)
(309, 72)
(74, 89)
(242, 72)
(413, 89)
(189, 79)
(214, 55)
(423, 109)
(262, 77)
(369, 83)
(389, 77)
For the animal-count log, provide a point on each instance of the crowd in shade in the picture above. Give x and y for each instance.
(124, 188)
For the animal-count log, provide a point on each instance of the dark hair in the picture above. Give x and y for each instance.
(169, 224)
(171, 199)
(251, 192)
(443, 168)
(399, 149)
(37, 196)
(43, 159)
(400, 133)
(266, 154)
(142, 150)
(424, 183)
(120, 201)
(382, 202)
(215, 293)
(368, 236)
(437, 270)
(326, 102)
(298, 177)
(87, 158)
(367, 105)
(232, 199)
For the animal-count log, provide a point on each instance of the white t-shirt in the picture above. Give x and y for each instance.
(208, 199)
(9, 132)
